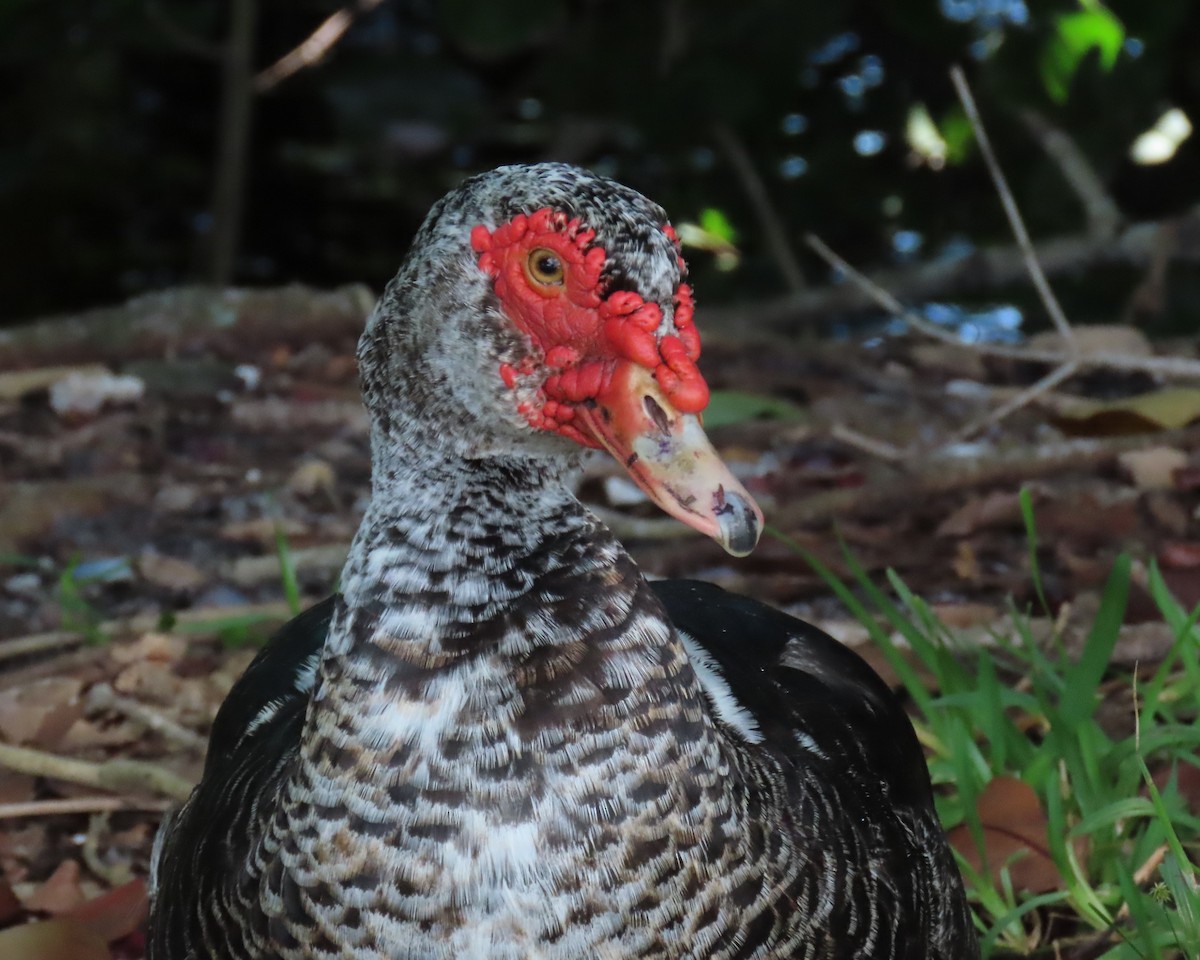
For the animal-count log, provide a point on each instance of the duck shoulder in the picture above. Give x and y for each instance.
(797, 691)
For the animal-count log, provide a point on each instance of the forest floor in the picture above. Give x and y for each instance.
(141, 541)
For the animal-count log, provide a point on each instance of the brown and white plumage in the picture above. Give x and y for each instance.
(500, 741)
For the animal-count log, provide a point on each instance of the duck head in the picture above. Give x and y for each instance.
(543, 309)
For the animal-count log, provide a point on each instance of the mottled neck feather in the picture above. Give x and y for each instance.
(481, 594)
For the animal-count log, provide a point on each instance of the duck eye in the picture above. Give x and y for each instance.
(544, 267)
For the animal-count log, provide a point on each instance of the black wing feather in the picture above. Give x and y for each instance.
(793, 677)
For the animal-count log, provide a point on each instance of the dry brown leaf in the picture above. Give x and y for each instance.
(1091, 339)
(15, 384)
(160, 647)
(1153, 468)
(10, 906)
(58, 939)
(262, 531)
(1168, 409)
(313, 477)
(40, 713)
(1014, 836)
(966, 563)
(60, 893)
(114, 914)
(961, 616)
(999, 508)
(1180, 554)
(171, 573)
(88, 734)
(150, 680)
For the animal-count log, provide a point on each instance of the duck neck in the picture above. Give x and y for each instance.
(482, 592)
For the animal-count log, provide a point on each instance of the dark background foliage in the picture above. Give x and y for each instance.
(113, 126)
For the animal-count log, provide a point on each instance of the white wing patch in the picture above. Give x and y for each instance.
(306, 677)
(726, 705)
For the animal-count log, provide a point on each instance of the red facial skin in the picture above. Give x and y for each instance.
(583, 335)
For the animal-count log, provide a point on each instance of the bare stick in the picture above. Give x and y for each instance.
(872, 445)
(75, 805)
(915, 320)
(313, 49)
(117, 774)
(103, 697)
(1010, 210)
(1101, 210)
(1180, 367)
(756, 191)
(1022, 399)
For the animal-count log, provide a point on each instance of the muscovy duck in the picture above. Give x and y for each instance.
(500, 741)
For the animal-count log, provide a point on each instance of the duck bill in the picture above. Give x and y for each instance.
(670, 458)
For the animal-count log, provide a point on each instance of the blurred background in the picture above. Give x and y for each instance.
(149, 143)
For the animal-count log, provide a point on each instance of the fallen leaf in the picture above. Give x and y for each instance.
(1187, 478)
(153, 645)
(1014, 836)
(40, 713)
(1153, 468)
(171, 573)
(262, 531)
(114, 914)
(313, 477)
(961, 616)
(15, 384)
(1001, 508)
(1180, 554)
(966, 563)
(735, 406)
(10, 906)
(1167, 409)
(57, 939)
(1091, 339)
(60, 893)
(80, 395)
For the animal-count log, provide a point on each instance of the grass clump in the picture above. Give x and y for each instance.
(1122, 841)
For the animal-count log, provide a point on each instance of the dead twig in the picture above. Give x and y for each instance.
(74, 805)
(117, 775)
(939, 474)
(1011, 211)
(1067, 362)
(756, 191)
(92, 852)
(103, 697)
(985, 269)
(1020, 400)
(314, 48)
(871, 445)
(1101, 210)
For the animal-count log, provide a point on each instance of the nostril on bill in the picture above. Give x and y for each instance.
(657, 414)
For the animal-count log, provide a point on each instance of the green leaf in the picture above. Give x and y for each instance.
(715, 222)
(1083, 677)
(735, 406)
(958, 135)
(1075, 36)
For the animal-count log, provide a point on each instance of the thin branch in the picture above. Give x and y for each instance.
(116, 774)
(986, 269)
(182, 38)
(103, 697)
(72, 805)
(893, 306)
(1053, 308)
(50, 642)
(1047, 383)
(756, 191)
(871, 445)
(314, 48)
(1101, 210)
